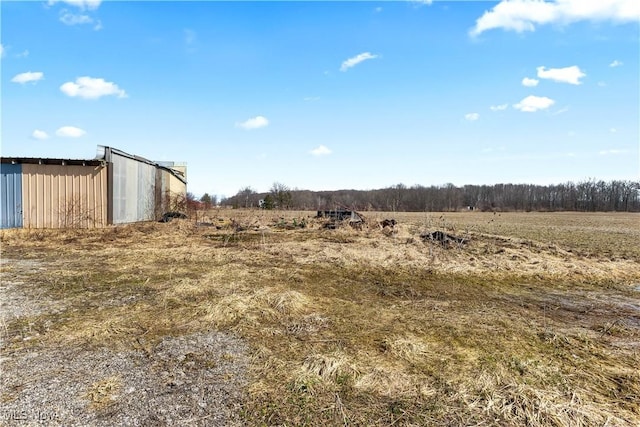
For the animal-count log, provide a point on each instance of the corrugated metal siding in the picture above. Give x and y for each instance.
(162, 196)
(134, 184)
(10, 195)
(63, 196)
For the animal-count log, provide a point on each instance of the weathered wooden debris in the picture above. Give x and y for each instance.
(443, 238)
(388, 223)
(341, 215)
(168, 216)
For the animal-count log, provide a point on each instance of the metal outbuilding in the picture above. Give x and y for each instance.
(114, 188)
(10, 195)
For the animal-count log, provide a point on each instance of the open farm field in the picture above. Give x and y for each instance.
(246, 317)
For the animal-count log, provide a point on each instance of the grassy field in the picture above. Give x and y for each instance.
(533, 320)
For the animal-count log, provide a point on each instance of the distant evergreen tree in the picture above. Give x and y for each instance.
(206, 199)
(269, 202)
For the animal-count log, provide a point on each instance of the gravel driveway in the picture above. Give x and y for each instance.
(193, 380)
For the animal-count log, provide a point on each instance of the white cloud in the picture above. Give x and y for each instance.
(81, 4)
(529, 82)
(500, 107)
(2, 50)
(525, 15)
(561, 111)
(68, 18)
(616, 63)
(92, 88)
(320, 151)
(377, 9)
(81, 15)
(39, 134)
(23, 54)
(352, 62)
(571, 75)
(28, 77)
(254, 123)
(70, 132)
(532, 103)
(472, 116)
(612, 152)
(602, 84)
(613, 130)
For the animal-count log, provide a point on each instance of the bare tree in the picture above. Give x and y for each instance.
(282, 195)
(246, 198)
(589, 195)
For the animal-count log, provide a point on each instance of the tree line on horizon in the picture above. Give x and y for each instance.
(586, 196)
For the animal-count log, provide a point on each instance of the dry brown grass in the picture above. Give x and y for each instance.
(103, 393)
(535, 321)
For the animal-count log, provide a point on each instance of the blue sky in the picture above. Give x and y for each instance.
(330, 95)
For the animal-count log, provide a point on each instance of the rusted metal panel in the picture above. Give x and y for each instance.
(64, 196)
(10, 195)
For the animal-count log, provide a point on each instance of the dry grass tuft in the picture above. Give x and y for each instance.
(250, 307)
(409, 348)
(284, 302)
(308, 325)
(104, 393)
(392, 383)
(231, 309)
(330, 368)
